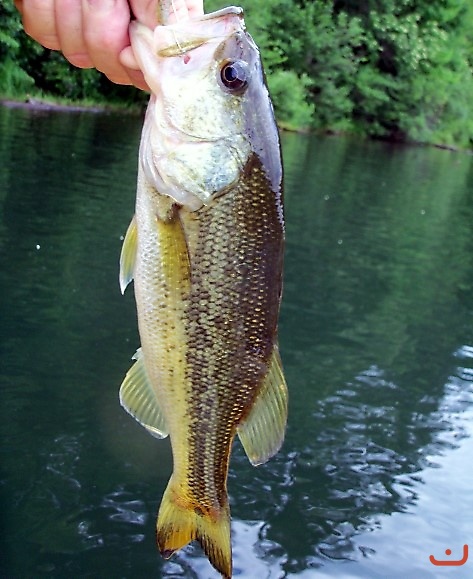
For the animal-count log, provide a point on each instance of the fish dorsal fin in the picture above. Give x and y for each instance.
(128, 255)
(138, 398)
(262, 432)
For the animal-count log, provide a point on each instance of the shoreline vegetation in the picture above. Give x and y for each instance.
(52, 103)
(395, 70)
(49, 103)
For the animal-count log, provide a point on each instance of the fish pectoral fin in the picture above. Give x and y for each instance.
(138, 398)
(174, 256)
(262, 432)
(128, 255)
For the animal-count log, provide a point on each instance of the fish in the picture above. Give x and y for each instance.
(205, 252)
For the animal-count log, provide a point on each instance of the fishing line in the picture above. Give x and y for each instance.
(173, 7)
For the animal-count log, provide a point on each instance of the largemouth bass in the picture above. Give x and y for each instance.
(205, 250)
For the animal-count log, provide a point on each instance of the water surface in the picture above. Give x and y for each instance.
(376, 336)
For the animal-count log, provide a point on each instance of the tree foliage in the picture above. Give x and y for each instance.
(28, 68)
(398, 69)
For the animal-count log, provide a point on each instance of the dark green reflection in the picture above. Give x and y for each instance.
(377, 301)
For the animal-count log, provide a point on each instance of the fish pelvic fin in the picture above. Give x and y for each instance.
(181, 520)
(138, 399)
(262, 431)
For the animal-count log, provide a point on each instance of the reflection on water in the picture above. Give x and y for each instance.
(376, 336)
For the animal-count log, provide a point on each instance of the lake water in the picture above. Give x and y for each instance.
(376, 334)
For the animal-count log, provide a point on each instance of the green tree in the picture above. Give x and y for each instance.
(416, 80)
(26, 67)
(397, 69)
(13, 78)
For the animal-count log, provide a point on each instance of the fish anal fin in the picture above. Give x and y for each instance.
(138, 399)
(181, 520)
(128, 255)
(262, 431)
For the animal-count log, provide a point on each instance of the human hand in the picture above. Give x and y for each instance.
(94, 33)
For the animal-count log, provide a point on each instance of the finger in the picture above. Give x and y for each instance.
(39, 22)
(185, 9)
(68, 15)
(138, 80)
(127, 59)
(105, 32)
(145, 12)
(178, 11)
(175, 11)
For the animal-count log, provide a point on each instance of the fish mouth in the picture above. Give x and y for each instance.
(227, 11)
(189, 40)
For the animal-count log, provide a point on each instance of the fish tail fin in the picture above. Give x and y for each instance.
(181, 520)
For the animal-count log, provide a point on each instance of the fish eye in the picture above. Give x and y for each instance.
(234, 75)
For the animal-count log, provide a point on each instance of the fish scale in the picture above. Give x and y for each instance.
(255, 254)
